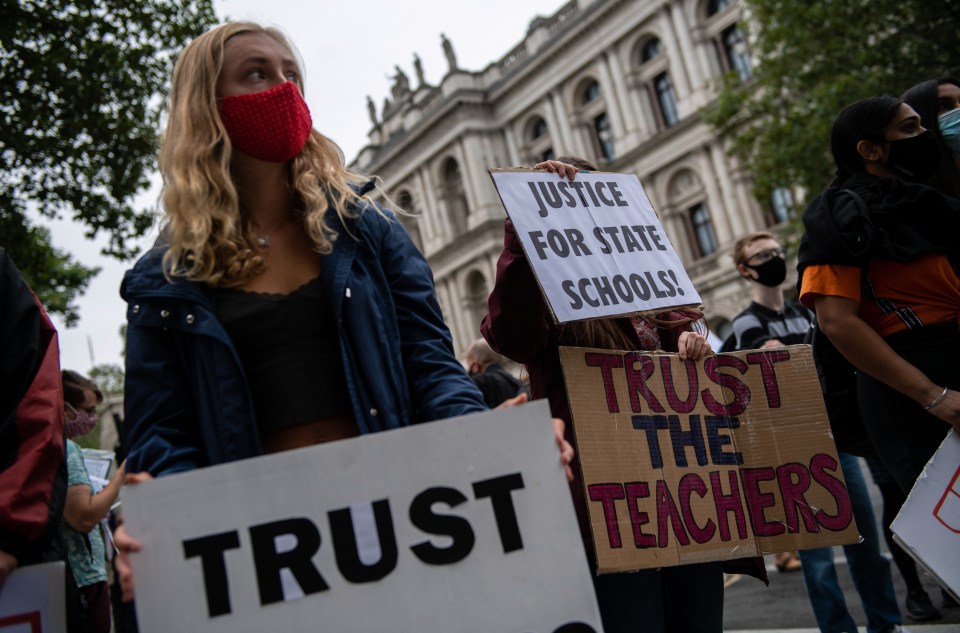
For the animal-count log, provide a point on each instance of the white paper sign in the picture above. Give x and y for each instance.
(459, 525)
(596, 245)
(928, 525)
(32, 600)
(97, 462)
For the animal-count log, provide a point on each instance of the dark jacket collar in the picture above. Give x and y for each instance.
(147, 276)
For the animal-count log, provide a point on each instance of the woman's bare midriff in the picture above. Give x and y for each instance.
(310, 433)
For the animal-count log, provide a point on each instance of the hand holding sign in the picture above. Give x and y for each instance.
(127, 545)
(693, 346)
(566, 449)
(373, 546)
(695, 461)
(565, 170)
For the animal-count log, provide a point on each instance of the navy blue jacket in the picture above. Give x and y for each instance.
(186, 401)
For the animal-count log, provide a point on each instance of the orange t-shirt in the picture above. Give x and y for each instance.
(895, 296)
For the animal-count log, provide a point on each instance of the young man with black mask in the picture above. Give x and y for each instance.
(769, 321)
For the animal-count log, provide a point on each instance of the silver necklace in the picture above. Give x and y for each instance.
(264, 238)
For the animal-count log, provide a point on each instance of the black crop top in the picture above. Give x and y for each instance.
(290, 351)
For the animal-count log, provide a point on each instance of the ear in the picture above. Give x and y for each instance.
(870, 151)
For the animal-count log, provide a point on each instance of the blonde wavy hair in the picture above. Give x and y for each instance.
(205, 225)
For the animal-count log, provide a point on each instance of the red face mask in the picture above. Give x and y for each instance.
(82, 423)
(271, 126)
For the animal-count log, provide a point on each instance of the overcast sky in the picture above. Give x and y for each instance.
(349, 51)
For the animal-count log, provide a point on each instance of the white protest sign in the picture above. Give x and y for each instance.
(928, 525)
(596, 246)
(97, 463)
(32, 600)
(464, 524)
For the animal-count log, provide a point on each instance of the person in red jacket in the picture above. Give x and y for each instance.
(32, 462)
(687, 598)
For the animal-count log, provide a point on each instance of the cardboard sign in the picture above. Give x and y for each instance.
(32, 600)
(928, 526)
(688, 462)
(457, 525)
(595, 244)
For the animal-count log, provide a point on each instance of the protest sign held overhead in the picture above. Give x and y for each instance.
(687, 462)
(454, 525)
(595, 244)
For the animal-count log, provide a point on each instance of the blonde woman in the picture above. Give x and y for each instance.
(288, 309)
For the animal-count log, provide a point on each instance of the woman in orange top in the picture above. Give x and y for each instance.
(878, 264)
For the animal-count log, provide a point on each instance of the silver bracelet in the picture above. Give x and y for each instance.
(937, 400)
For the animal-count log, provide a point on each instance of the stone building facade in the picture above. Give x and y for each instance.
(621, 82)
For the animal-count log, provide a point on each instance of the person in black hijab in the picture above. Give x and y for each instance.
(878, 264)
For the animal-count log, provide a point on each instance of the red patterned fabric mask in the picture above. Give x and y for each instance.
(82, 423)
(271, 126)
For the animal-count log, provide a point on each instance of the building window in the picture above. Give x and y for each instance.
(405, 201)
(590, 93)
(705, 239)
(781, 203)
(732, 51)
(653, 77)
(666, 99)
(454, 197)
(409, 220)
(651, 50)
(736, 52)
(593, 120)
(538, 129)
(716, 6)
(475, 302)
(603, 136)
(538, 146)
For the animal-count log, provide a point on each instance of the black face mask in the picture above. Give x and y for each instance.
(915, 158)
(770, 273)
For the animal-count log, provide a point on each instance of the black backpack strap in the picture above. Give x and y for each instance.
(857, 200)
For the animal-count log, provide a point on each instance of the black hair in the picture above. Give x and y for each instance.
(864, 120)
(74, 386)
(923, 97)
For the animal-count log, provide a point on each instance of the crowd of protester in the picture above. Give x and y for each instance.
(279, 267)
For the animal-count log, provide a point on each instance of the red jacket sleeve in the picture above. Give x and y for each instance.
(31, 428)
(518, 321)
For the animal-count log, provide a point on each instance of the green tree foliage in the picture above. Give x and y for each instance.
(109, 378)
(52, 274)
(81, 88)
(815, 57)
